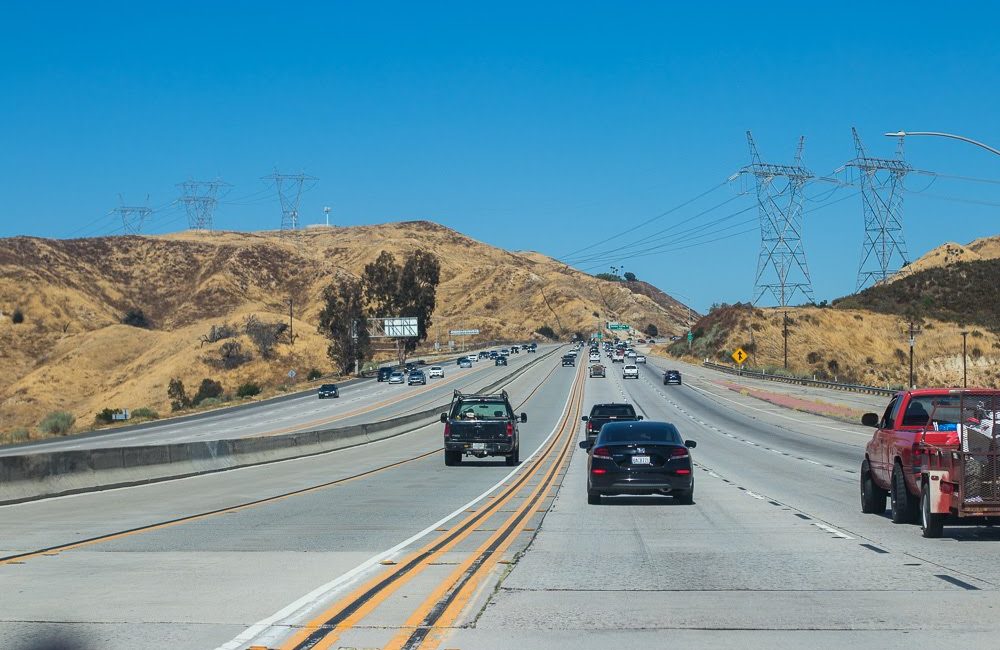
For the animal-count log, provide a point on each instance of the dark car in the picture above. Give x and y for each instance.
(501, 361)
(597, 370)
(569, 360)
(639, 458)
(672, 377)
(384, 373)
(601, 414)
(464, 362)
(327, 390)
(532, 347)
(416, 377)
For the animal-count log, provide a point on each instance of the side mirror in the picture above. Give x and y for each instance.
(638, 417)
(584, 418)
(690, 444)
(444, 418)
(586, 445)
(869, 420)
(524, 417)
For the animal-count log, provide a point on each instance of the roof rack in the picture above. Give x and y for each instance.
(460, 395)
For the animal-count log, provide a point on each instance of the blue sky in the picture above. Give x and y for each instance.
(544, 126)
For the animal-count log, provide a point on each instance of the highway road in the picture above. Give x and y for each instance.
(383, 546)
(364, 401)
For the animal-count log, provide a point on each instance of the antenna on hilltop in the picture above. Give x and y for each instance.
(199, 199)
(781, 264)
(290, 190)
(326, 211)
(132, 216)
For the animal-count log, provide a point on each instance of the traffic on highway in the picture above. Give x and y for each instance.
(518, 516)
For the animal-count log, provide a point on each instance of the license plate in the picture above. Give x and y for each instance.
(640, 460)
(480, 445)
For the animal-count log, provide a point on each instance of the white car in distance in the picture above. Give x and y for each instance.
(630, 372)
(436, 371)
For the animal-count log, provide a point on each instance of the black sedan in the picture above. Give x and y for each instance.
(639, 458)
(672, 377)
(327, 390)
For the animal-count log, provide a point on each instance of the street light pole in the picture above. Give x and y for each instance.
(903, 134)
(965, 383)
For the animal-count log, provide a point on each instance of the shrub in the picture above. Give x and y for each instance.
(596, 315)
(547, 332)
(135, 318)
(652, 330)
(264, 335)
(145, 413)
(231, 355)
(314, 374)
(210, 401)
(858, 317)
(975, 353)
(16, 436)
(17, 317)
(178, 396)
(57, 423)
(833, 366)
(900, 355)
(208, 388)
(248, 389)
(976, 334)
(106, 416)
(630, 277)
(219, 332)
(814, 357)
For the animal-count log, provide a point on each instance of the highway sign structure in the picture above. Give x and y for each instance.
(690, 336)
(617, 326)
(399, 328)
(739, 356)
(463, 332)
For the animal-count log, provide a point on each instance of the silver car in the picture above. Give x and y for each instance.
(397, 378)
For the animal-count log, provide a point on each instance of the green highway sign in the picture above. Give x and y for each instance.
(690, 336)
(617, 326)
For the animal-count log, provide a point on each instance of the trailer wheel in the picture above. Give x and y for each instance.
(872, 496)
(932, 523)
(905, 508)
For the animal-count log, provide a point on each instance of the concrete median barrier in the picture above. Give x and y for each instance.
(28, 477)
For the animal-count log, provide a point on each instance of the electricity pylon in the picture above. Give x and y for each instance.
(289, 188)
(199, 199)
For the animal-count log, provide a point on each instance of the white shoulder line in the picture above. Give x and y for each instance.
(753, 408)
(304, 604)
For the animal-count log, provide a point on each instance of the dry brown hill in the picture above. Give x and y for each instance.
(949, 253)
(72, 352)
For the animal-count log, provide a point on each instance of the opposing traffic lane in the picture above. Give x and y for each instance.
(200, 580)
(366, 401)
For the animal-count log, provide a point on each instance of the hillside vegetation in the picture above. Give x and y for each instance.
(64, 345)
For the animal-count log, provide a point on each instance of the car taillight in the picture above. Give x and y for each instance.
(682, 471)
(447, 430)
(679, 452)
(602, 452)
(590, 426)
(510, 430)
(598, 470)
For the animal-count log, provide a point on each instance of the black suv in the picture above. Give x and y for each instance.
(601, 414)
(672, 377)
(481, 426)
(383, 373)
(569, 360)
(501, 361)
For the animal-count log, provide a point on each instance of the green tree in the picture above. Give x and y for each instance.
(343, 322)
(178, 396)
(629, 276)
(652, 330)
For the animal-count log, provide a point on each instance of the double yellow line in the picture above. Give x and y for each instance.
(444, 604)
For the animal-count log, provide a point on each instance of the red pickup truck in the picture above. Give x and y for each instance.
(918, 429)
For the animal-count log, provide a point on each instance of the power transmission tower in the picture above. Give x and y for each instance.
(782, 271)
(199, 199)
(884, 250)
(289, 188)
(132, 216)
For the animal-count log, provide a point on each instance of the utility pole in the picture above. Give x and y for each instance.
(291, 334)
(914, 330)
(965, 377)
(784, 333)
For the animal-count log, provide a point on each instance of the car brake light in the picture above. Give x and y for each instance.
(598, 470)
(679, 452)
(510, 430)
(682, 471)
(447, 430)
(602, 452)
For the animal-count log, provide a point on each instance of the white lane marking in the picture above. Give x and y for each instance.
(811, 461)
(833, 531)
(755, 495)
(301, 607)
(709, 393)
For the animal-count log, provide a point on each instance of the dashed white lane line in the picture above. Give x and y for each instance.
(759, 497)
(833, 531)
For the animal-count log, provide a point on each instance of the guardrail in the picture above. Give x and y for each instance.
(28, 477)
(760, 374)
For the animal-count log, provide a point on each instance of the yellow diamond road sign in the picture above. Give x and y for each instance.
(739, 356)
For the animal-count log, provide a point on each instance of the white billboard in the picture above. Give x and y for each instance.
(400, 327)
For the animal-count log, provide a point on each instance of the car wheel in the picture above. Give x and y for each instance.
(932, 523)
(594, 498)
(872, 496)
(685, 497)
(905, 508)
(452, 458)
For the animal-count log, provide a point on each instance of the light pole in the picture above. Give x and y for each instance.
(903, 134)
(965, 383)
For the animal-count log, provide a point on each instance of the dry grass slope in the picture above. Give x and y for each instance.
(72, 353)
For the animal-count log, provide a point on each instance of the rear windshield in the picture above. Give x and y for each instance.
(617, 434)
(479, 411)
(619, 410)
(328, 387)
